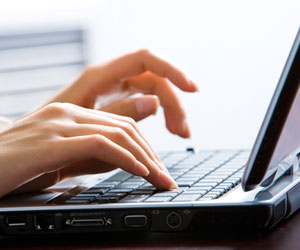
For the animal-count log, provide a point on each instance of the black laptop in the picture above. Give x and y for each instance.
(218, 189)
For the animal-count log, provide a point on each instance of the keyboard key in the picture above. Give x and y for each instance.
(214, 193)
(200, 189)
(211, 180)
(153, 189)
(191, 176)
(147, 186)
(148, 192)
(128, 185)
(134, 198)
(208, 183)
(90, 199)
(188, 179)
(77, 202)
(218, 189)
(121, 190)
(188, 183)
(159, 199)
(172, 192)
(121, 176)
(106, 184)
(189, 192)
(188, 197)
(183, 185)
(226, 186)
(95, 191)
(103, 199)
(135, 178)
(165, 194)
(211, 196)
(135, 181)
(83, 196)
(112, 194)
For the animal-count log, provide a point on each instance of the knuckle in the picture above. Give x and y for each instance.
(55, 108)
(130, 121)
(128, 127)
(120, 134)
(94, 141)
(89, 68)
(143, 52)
(49, 126)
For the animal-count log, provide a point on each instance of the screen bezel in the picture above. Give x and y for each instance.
(269, 133)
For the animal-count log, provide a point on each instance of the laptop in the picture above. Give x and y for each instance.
(218, 189)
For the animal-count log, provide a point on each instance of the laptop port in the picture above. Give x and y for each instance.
(44, 222)
(174, 220)
(136, 220)
(16, 221)
(88, 222)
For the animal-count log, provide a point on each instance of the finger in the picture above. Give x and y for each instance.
(157, 159)
(136, 63)
(174, 112)
(127, 124)
(137, 108)
(116, 135)
(101, 148)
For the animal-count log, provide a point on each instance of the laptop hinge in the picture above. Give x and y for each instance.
(295, 167)
(289, 166)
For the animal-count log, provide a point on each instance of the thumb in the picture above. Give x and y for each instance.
(137, 108)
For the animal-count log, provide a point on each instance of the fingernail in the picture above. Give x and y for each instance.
(140, 169)
(168, 180)
(185, 129)
(146, 105)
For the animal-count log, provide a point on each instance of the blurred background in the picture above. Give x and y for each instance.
(233, 50)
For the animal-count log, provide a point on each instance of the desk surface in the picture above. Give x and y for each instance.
(284, 236)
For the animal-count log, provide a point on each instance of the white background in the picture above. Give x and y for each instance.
(233, 50)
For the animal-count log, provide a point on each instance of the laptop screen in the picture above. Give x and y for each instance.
(278, 141)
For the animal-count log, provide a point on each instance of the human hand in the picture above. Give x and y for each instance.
(133, 73)
(64, 140)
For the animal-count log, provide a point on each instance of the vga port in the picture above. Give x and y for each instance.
(136, 220)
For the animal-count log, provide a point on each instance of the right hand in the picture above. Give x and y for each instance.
(64, 140)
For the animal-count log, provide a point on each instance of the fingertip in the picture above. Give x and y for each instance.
(174, 186)
(194, 86)
(186, 130)
(189, 85)
(166, 181)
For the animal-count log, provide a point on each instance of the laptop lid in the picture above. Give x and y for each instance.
(277, 145)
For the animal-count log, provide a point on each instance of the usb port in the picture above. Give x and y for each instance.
(16, 221)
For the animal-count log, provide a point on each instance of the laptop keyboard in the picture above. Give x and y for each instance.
(201, 176)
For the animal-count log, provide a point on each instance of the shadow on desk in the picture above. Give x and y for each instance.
(284, 236)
